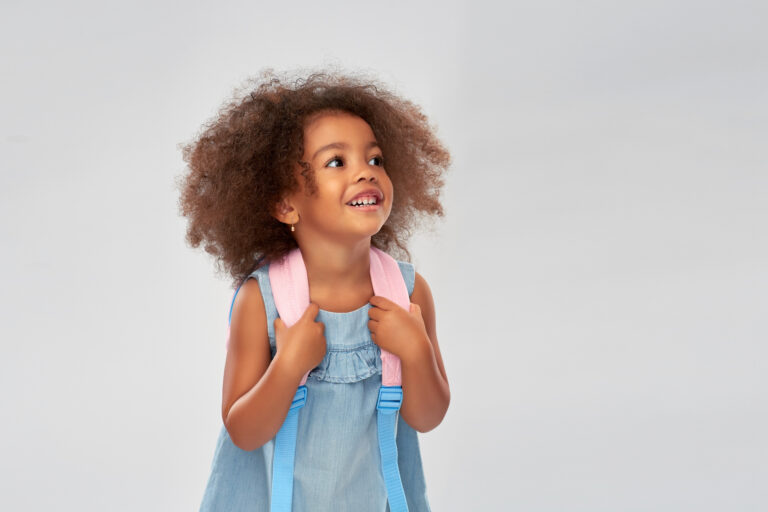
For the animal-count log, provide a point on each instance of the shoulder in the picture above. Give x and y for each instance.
(249, 300)
(422, 294)
(250, 287)
(248, 303)
(248, 329)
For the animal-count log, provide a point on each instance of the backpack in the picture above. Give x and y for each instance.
(290, 290)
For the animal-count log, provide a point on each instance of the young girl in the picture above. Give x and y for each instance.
(279, 169)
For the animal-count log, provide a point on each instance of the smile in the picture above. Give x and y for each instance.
(366, 203)
(365, 207)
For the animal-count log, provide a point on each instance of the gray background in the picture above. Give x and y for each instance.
(599, 278)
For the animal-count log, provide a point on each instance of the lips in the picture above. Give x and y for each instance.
(368, 193)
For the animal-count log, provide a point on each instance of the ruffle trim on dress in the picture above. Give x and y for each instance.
(347, 365)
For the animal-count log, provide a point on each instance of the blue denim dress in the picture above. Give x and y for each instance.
(337, 464)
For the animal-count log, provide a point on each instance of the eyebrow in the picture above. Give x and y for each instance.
(341, 145)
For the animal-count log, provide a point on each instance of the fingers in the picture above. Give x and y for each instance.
(311, 312)
(308, 316)
(381, 302)
(381, 313)
(375, 313)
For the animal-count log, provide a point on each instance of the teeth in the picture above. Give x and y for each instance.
(364, 201)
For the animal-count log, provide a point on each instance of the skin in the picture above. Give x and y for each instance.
(335, 241)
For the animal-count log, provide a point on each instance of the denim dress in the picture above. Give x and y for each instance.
(337, 463)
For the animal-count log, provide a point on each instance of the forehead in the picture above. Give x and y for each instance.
(328, 127)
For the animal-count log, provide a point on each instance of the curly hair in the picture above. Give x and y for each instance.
(243, 162)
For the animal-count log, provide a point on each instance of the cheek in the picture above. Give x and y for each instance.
(386, 183)
(389, 190)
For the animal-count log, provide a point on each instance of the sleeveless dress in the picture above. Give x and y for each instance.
(337, 463)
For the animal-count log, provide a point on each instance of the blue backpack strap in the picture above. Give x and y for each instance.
(387, 406)
(285, 452)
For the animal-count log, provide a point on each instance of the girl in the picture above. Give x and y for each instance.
(279, 169)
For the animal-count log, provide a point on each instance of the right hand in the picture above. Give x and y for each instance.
(301, 345)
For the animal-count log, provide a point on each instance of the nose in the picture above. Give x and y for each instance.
(365, 173)
(363, 177)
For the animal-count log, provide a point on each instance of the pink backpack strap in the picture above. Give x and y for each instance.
(388, 282)
(290, 290)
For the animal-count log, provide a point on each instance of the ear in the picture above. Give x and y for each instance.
(285, 212)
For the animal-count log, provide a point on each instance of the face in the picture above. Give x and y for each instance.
(346, 160)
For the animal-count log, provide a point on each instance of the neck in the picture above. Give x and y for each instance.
(337, 266)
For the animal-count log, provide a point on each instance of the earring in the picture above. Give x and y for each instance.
(297, 220)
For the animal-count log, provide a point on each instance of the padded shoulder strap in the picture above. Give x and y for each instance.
(290, 289)
(388, 282)
(290, 286)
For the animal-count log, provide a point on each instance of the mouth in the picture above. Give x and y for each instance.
(365, 207)
(366, 202)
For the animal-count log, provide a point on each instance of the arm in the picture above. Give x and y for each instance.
(257, 394)
(426, 394)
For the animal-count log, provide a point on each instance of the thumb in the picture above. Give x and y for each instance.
(311, 312)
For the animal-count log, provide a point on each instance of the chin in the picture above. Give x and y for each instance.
(367, 233)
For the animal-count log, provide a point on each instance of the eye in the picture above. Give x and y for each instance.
(334, 159)
(380, 159)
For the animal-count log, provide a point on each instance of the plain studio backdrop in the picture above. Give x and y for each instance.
(599, 277)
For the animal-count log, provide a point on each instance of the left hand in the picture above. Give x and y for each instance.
(396, 330)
